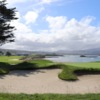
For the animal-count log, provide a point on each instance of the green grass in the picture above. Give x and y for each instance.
(34, 64)
(69, 70)
(10, 59)
(68, 73)
(7, 64)
(49, 97)
(86, 65)
(42, 63)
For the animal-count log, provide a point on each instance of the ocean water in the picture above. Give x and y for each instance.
(75, 58)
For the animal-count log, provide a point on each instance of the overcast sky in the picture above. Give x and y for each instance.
(51, 25)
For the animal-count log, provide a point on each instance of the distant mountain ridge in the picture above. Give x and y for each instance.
(24, 51)
(16, 51)
(95, 51)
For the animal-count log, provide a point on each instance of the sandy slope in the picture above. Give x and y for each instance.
(47, 81)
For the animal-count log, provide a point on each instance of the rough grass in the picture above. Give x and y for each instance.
(49, 97)
(67, 73)
(42, 63)
(69, 70)
(6, 64)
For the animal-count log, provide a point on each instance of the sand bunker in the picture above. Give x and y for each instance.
(14, 59)
(47, 81)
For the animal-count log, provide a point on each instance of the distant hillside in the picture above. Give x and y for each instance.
(16, 51)
(95, 51)
(23, 51)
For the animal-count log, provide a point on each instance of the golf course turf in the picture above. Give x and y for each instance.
(69, 70)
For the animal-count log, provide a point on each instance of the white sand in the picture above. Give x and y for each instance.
(47, 81)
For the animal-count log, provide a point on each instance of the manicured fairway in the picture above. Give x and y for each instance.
(10, 59)
(86, 65)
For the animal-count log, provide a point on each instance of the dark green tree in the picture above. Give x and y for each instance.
(8, 53)
(1, 53)
(6, 16)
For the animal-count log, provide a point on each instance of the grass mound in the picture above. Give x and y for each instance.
(3, 71)
(4, 68)
(27, 65)
(67, 73)
(72, 70)
(69, 70)
(24, 66)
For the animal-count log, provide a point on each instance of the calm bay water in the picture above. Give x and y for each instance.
(75, 58)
